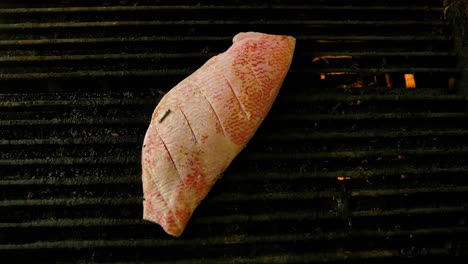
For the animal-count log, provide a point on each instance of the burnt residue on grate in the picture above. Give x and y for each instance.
(362, 158)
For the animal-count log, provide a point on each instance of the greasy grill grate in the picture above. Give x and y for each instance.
(348, 165)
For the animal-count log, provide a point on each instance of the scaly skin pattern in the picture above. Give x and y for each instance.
(201, 125)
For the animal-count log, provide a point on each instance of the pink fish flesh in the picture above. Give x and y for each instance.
(202, 123)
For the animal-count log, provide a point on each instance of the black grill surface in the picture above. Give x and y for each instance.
(350, 164)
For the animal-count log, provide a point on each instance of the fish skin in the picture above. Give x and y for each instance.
(202, 123)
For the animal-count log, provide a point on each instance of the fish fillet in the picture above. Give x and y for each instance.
(202, 123)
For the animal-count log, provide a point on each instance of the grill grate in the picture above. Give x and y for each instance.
(349, 164)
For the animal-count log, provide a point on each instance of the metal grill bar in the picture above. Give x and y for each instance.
(110, 24)
(259, 6)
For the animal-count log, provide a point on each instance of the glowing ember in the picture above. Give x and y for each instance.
(410, 81)
(342, 178)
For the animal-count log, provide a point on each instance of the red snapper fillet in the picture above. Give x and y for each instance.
(202, 123)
